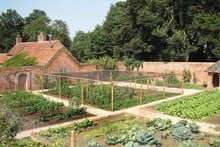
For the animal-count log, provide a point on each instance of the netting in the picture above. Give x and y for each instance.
(113, 75)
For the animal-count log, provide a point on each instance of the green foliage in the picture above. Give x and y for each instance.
(106, 62)
(199, 106)
(8, 129)
(155, 31)
(159, 124)
(215, 142)
(131, 63)
(24, 143)
(20, 59)
(146, 138)
(194, 127)
(29, 103)
(11, 24)
(186, 76)
(189, 143)
(93, 143)
(181, 132)
(78, 127)
(111, 140)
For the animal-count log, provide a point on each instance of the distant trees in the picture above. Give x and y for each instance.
(11, 24)
(158, 30)
(150, 30)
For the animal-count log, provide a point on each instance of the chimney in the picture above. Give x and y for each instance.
(18, 39)
(41, 37)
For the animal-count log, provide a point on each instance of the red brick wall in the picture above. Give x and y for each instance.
(89, 67)
(63, 62)
(9, 78)
(196, 68)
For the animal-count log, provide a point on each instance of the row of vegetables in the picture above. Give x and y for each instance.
(134, 135)
(200, 106)
(28, 104)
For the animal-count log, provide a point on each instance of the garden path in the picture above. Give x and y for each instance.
(141, 110)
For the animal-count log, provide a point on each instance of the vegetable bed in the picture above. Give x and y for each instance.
(201, 106)
(130, 132)
(33, 110)
(99, 95)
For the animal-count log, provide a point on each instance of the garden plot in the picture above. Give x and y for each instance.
(105, 96)
(129, 131)
(204, 106)
(33, 111)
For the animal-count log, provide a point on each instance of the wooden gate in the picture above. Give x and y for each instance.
(215, 80)
(22, 79)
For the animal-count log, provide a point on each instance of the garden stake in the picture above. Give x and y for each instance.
(147, 84)
(182, 85)
(164, 84)
(72, 138)
(112, 96)
(87, 88)
(141, 94)
(82, 92)
(154, 83)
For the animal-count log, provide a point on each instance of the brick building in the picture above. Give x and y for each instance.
(51, 57)
(213, 76)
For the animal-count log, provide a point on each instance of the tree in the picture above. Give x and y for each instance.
(32, 30)
(80, 47)
(34, 15)
(11, 24)
(59, 30)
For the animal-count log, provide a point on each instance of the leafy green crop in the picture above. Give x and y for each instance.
(159, 124)
(180, 131)
(78, 127)
(199, 106)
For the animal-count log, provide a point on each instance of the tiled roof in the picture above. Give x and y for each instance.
(214, 68)
(40, 50)
(3, 57)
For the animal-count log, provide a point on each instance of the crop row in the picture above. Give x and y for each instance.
(100, 95)
(199, 106)
(30, 104)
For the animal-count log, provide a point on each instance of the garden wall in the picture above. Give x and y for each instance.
(197, 69)
(15, 78)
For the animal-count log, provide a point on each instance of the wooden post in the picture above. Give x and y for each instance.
(60, 87)
(112, 85)
(82, 91)
(182, 86)
(141, 93)
(147, 84)
(154, 83)
(87, 88)
(72, 138)
(112, 91)
(164, 84)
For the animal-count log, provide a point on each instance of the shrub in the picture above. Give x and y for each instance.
(20, 59)
(186, 76)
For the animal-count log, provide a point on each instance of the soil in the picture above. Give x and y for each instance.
(214, 120)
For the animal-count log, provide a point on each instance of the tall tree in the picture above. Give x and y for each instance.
(11, 24)
(59, 30)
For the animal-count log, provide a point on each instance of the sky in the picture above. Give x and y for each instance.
(79, 15)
